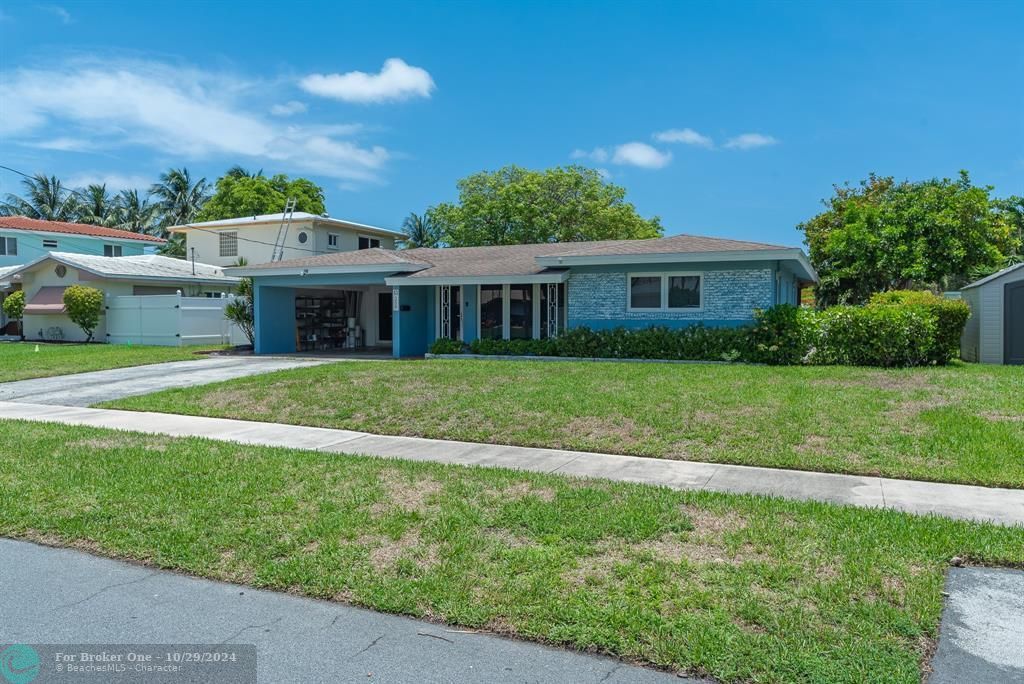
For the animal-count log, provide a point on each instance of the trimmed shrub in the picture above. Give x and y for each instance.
(950, 318)
(84, 306)
(446, 345)
(887, 336)
(14, 306)
(781, 335)
(513, 347)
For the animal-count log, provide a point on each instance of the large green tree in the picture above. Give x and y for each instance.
(883, 234)
(242, 194)
(518, 206)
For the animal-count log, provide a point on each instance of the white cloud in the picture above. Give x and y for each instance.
(604, 173)
(62, 144)
(179, 111)
(114, 181)
(56, 10)
(289, 108)
(750, 141)
(598, 154)
(642, 155)
(686, 136)
(396, 81)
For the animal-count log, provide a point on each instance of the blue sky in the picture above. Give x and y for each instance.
(723, 119)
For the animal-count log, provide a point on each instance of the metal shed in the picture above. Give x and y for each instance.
(995, 331)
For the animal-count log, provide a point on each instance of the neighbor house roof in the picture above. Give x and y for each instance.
(994, 276)
(543, 261)
(276, 219)
(83, 229)
(143, 267)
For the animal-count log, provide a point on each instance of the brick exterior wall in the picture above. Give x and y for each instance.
(728, 296)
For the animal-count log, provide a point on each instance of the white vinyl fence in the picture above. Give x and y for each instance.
(170, 321)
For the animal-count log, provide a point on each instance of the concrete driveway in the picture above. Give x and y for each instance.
(85, 389)
(59, 596)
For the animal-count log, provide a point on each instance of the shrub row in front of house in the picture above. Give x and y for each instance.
(895, 329)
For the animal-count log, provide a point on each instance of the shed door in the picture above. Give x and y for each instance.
(1013, 323)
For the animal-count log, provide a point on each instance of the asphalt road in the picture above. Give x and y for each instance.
(982, 636)
(85, 389)
(60, 596)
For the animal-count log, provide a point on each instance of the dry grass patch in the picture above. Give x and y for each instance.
(404, 493)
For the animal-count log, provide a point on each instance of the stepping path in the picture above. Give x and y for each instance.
(60, 596)
(1004, 506)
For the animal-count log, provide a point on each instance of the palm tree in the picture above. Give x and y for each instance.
(46, 198)
(96, 206)
(178, 198)
(134, 213)
(419, 231)
(237, 171)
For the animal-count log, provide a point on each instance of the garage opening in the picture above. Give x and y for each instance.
(342, 319)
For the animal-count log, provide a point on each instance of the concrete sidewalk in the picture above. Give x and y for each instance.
(1005, 506)
(59, 596)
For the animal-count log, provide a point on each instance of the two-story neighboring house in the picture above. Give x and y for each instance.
(24, 239)
(224, 242)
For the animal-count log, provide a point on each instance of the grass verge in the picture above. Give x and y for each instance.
(961, 423)
(737, 587)
(21, 361)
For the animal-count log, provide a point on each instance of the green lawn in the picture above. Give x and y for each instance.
(962, 423)
(741, 588)
(20, 360)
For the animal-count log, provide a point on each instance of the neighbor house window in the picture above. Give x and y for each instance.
(115, 250)
(492, 312)
(50, 244)
(665, 291)
(368, 242)
(228, 244)
(332, 241)
(8, 246)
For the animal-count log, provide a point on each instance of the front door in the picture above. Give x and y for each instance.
(384, 316)
(1013, 323)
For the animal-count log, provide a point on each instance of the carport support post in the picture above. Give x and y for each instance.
(180, 320)
(274, 319)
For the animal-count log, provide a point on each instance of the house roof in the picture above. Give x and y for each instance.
(143, 267)
(276, 219)
(83, 229)
(994, 276)
(532, 260)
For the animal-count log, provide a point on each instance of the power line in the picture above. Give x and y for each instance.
(190, 227)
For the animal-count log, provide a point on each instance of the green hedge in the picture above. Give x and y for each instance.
(895, 329)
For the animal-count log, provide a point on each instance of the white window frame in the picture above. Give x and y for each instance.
(332, 241)
(369, 241)
(7, 242)
(220, 242)
(118, 250)
(664, 308)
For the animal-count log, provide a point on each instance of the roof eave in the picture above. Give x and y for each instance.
(249, 272)
(553, 277)
(148, 240)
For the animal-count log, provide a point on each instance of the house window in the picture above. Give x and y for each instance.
(112, 250)
(492, 312)
(50, 244)
(8, 246)
(332, 241)
(368, 242)
(228, 243)
(665, 292)
(520, 312)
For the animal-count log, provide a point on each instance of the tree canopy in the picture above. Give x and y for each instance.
(239, 193)
(518, 206)
(883, 234)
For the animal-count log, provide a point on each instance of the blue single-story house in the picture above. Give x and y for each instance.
(405, 299)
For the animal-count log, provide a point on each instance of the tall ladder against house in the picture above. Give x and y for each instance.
(282, 232)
